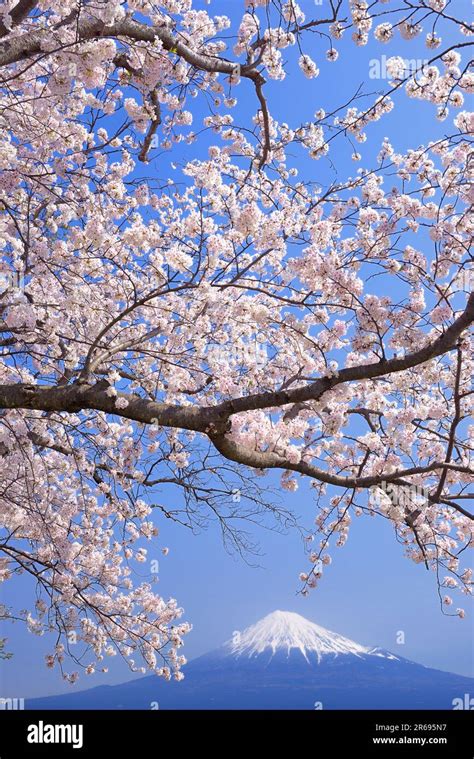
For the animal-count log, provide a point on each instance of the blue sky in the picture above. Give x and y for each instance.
(371, 592)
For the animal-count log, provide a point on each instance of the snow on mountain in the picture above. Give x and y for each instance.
(285, 630)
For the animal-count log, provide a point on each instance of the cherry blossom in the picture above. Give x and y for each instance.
(206, 323)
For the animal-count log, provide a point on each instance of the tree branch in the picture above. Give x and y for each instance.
(213, 420)
(270, 460)
(17, 14)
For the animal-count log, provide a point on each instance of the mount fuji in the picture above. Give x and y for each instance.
(284, 661)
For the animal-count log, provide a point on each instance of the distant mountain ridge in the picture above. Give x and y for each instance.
(284, 661)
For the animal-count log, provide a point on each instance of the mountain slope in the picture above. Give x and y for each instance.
(284, 630)
(282, 662)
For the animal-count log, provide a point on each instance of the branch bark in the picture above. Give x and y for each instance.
(29, 44)
(271, 460)
(17, 14)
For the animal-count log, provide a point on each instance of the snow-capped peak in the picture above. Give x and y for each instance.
(285, 630)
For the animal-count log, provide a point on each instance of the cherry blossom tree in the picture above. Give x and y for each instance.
(200, 332)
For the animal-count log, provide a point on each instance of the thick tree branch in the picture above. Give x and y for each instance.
(17, 14)
(74, 398)
(270, 460)
(29, 44)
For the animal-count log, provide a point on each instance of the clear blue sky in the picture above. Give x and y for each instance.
(370, 592)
